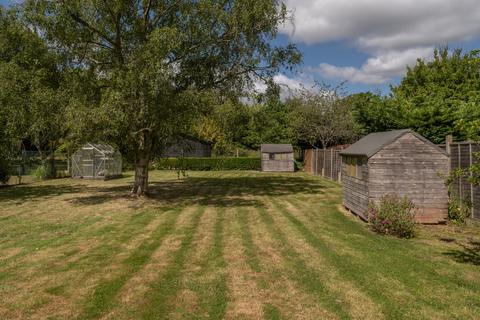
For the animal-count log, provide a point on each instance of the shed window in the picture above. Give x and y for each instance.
(353, 166)
(271, 156)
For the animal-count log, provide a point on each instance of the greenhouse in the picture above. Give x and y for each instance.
(96, 161)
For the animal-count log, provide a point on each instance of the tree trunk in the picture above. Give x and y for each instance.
(142, 162)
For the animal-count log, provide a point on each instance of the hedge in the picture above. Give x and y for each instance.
(208, 164)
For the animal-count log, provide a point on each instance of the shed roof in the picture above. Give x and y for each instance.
(277, 148)
(372, 143)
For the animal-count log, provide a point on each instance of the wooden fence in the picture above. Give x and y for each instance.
(324, 162)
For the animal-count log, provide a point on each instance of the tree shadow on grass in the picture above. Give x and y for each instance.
(217, 191)
(22, 193)
(469, 254)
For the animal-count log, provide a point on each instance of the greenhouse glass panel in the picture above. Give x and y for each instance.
(96, 161)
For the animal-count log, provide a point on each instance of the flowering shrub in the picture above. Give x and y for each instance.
(458, 210)
(392, 216)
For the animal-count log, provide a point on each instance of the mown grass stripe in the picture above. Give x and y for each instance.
(301, 273)
(249, 248)
(271, 312)
(166, 287)
(212, 295)
(364, 274)
(217, 304)
(105, 292)
(409, 257)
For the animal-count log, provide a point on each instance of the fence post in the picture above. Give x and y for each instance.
(460, 185)
(470, 174)
(331, 164)
(448, 149)
(323, 163)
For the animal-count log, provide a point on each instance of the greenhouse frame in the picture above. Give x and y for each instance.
(96, 161)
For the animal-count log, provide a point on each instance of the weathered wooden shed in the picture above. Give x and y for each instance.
(277, 157)
(401, 163)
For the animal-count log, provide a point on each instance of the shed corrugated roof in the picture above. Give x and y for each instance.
(276, 148)
(372, 143)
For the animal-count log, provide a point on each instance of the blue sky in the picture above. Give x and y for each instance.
(369, 43)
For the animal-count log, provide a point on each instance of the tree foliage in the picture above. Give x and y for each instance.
(31, 94)
(436, 98)
(323, 118)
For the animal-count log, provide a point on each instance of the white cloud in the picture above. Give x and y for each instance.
(390, 31)
(376, 70)
(288, 85)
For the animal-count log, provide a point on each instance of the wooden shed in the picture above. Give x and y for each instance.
(277, 157)
(401, 163)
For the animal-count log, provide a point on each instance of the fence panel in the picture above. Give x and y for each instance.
(324, 162)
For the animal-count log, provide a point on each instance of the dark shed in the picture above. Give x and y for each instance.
(399, 162)
(277, 157)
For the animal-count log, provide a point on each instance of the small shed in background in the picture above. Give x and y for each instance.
(401, 163)
(277, 158)
(96, 161)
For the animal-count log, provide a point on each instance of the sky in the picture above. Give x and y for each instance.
(369, 43)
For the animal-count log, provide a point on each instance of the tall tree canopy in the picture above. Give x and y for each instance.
(154, 59)
(436, 97)
(323, 118)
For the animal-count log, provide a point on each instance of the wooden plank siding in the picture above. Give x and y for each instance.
(355, 190)
(413, 168)
(278, 165)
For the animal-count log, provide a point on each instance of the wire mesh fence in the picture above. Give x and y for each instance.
(462, 156)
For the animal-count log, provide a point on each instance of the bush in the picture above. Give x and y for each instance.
(40, 173)
(208, 164)
(458, 210)
(392, 216)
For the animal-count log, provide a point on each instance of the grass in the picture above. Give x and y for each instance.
(222, 245)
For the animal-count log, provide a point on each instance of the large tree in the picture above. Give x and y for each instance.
(155, 58)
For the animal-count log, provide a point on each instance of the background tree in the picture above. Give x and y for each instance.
(271, 120)
(31, 82)
(324, 118)
(433, 94)
(374, 113)
(156, 57)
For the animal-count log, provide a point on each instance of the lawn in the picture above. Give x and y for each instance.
(233, 245)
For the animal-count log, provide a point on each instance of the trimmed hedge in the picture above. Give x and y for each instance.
(208, 164)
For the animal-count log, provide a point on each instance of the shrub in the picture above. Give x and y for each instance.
(40, 173)
(458, 210)
(208, 164)
(392, 216)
